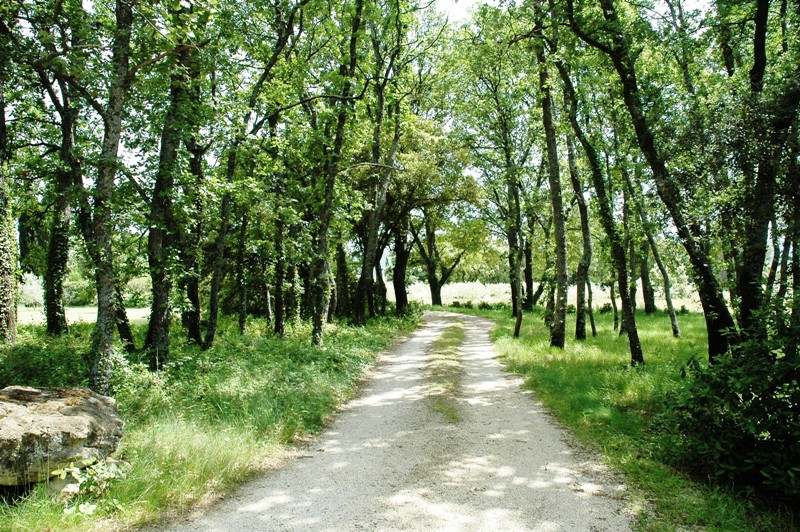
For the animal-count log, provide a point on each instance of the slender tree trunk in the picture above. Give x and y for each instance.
(648, 293)
(607, 221)
(613, 297)
(343, 307)
(58, 246)
(8, 266)
(57, 259)
(380, 287)
(280, 275)
(268, 304)
(218, 270)
(8, 255)
(589, 309)
(527, 303)
(582, 276)
(719, 323)
(558, 329)
(102, 229)
(320, 284)
(162, 221)
(241, 274)
(123, 324)
(402, 252)
(190, 245)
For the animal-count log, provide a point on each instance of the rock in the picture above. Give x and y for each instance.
(46, 429)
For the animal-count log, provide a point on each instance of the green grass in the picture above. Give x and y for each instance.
(205, 424)
(614, 408)
(445, 372)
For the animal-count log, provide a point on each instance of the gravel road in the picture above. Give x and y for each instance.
(390, 462)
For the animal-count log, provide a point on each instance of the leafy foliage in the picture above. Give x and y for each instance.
(739, 420)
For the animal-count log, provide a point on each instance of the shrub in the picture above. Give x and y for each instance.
(468, 304)
(483, 305)
(79, 293)
(571, 309)
(738, 420)
(605, 309)
(455, 304)
(138, 293)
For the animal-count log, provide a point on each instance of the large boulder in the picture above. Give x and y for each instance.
(46, 429)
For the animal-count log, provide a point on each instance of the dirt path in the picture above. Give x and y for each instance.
(390, 462)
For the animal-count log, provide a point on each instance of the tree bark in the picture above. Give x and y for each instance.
(8, 266)
(558, 329)
(527, 303)
(719, 322)
(607, 221)
(121, 318)
(102, 229)
(190, 245)
(280, 279)
(343, 306)
(320, 281)
(402, 252)
(582, 275)
(160, 241)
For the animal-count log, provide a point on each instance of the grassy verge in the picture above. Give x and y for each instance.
(614, 408)
(206, 423)
(445, 372)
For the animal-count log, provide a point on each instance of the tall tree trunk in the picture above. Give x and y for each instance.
(589, 309)
(190, 246)
(582, 276)
(648, 293)
(241, 274)
(102, 227)
(162, 220)
(380, 287)
(719, 322)
(8, 255)
(607, 221)
(8, 266)
(121, 318)
(527, 303)
(343, 307)
(66, 176)
(320, 280)
(402, 252)
(218, 270)
(57, 259)
(558, 329)
(280, 279)
(613, 296)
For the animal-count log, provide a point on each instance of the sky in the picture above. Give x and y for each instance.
(456, 10)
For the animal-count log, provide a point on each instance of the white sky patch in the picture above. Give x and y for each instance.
(457, 10)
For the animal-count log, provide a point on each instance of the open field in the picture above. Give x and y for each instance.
(498, 293)
(35, 316)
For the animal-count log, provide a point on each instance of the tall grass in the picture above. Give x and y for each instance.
(204, 424)
(590, 387)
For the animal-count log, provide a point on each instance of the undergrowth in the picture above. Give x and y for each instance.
(619, 410)
(210, 420)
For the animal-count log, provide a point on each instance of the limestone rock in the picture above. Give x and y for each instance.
(46, 429)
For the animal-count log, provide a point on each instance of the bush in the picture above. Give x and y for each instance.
(455, 304)
(138, 293)
(605, 309)
(79, 293)
(571, 309)
(739, 419)
(468, 304)
(483, 305)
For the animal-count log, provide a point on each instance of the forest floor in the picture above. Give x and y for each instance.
(395, 459)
